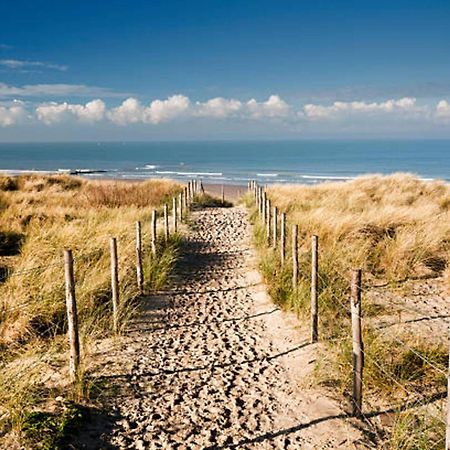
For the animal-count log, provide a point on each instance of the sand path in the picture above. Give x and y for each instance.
(213, 364)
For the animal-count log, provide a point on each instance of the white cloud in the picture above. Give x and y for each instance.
(52, 113)
(274, 110)
(338, 109)
(443, 110)
(218, 107)
(164, 110)
(130, 111)
(92, 111)
(11, 115)
(21, 64)
(57, 90)
(273, 107)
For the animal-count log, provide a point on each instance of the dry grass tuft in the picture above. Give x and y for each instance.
(394, 226)
(116, 194)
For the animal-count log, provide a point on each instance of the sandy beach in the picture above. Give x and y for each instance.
(212, 363)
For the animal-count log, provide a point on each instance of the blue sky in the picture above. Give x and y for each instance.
(224, 69)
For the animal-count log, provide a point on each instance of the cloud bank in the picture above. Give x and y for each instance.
(17, 64)
(57, 90)
(181, 108)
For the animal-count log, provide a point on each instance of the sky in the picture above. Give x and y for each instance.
(254, 69)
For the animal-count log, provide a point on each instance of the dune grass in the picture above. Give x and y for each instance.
(395, 228)
(39, 217)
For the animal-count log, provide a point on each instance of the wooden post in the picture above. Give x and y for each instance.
(261, 201)
(185, 198)
(72, 316)
(263, 207)
(358, 349)
(139, 270)
(180, 206)
(268, 223)
(283, 238)
(294, 256)
(166, 222)
(202, 189)
(274, 227)
(314, 288)
(258, 200)
(223, 195)
(153, 232)
(174, 215)
(114, 283)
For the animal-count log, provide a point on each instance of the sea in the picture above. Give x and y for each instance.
(232, 162)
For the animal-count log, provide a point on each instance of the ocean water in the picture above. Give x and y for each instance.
(232, 161)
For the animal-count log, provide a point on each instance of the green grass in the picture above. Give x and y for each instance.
(417, 430)
(203, 200)
(45, 430)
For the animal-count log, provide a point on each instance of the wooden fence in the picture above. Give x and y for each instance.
(178, 208)
(272, 232)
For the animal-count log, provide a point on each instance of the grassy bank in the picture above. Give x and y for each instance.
(397, 229)
(39, 217)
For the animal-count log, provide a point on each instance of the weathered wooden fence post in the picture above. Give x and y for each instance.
(114, 283)
(261, 203)
(314, 288)
(258, 197)
(139, 270)
(223, 195)
(358, 348)
(274, 227)
(166, 222)
(154, 235)
(263, 207)
(283, 238)
(72, 316)
(268, 223)
(185, 198)
(180, 206)
(174, 215)
(294, 256)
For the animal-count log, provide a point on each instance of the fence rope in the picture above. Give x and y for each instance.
(365, 321)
